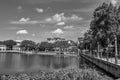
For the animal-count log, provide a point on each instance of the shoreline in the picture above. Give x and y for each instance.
(39, 53)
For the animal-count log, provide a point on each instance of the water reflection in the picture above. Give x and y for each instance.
(21, 62)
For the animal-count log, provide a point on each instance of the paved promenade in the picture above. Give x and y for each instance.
(111, 60)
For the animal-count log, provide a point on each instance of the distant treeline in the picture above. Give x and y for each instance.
(29, 45)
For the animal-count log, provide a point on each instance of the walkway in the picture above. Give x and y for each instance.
(108, 66)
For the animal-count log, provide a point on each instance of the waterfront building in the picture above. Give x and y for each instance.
(55, 39)
(16, 47)
(3, 47)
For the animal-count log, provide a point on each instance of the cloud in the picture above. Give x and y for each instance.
(24, 21)
(84, 30)
(58, 31)
(68, 27)
(43, 1)
(19, 7)
(58, 19)
(114, 2)
(62, 18)
(12, 28)
(22, 32)
(39, 10)
(74, 17)
(61, 23)
(33, 34)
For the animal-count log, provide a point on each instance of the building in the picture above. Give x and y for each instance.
(55, 39)
(3, 47)
(17, 46)
(72, 49)
(18, 42)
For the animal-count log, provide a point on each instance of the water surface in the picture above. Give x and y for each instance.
(11, 62)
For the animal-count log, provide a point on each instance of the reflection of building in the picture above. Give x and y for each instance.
(53, 40)
(3, 47)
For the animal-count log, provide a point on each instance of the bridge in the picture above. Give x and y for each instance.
(109, 66)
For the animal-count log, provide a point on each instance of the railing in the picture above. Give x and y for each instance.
(108, 59)
(108, 66)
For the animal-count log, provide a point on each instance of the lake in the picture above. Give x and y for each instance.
(11, 62)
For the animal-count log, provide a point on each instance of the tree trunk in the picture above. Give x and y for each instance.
(79, 52)
(107, 54)
(98, 49)
(90, 49)
(116, 50)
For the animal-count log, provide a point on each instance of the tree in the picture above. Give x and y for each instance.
(28, 45)
(62, 44)
(9, 44)
(99, 24)
(44, 46)
(105, 25)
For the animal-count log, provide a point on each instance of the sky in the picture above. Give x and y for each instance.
(40, 19)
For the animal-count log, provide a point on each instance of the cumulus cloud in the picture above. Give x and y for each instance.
(58, 31)
(39, 10)
(58, 17)
(19, 7)
(114, 2)
(68, 27)
(61, 23)
(22, 32)
(24, 21)
(62, 18)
